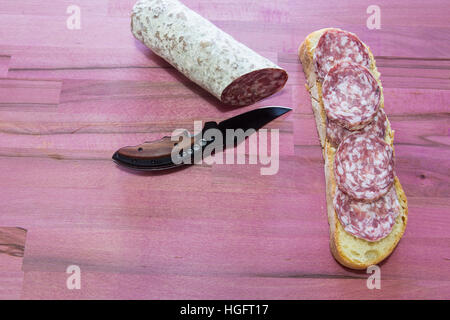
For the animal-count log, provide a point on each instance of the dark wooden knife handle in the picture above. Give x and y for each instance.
(157, 149)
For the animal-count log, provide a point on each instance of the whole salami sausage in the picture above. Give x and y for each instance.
(364, 166)
(336, 46)
(213, 59)
(370, 221)
(336, 133)
(351, 95)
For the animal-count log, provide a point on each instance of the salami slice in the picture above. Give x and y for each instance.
(370, 221)
(351, 95)
(213, 59)
(336, 133)
(364, 166)
(336, 46)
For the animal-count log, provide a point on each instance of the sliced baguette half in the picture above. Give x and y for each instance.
(347, 249)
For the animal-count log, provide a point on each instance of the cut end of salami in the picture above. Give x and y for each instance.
(254, 86)
(351, 95)
(364, 167)
(336, 133)
(336, 46)
(370, 221)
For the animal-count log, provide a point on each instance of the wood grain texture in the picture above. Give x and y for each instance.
(70, 98)
(12, 248)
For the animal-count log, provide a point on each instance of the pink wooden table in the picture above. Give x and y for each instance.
(69, 98)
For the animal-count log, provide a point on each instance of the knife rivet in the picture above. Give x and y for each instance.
(196, 147)
(184, 154)
(189, 151)
(203, 142)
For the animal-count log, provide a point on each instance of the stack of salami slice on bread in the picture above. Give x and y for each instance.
(367, 208)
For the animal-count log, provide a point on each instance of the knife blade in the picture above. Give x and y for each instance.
(157, 155)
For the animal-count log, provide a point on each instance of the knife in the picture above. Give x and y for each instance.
(158, 155)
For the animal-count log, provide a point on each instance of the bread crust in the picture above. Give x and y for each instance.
(348, 250)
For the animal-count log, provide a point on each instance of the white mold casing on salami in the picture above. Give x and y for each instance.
(208, 56)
